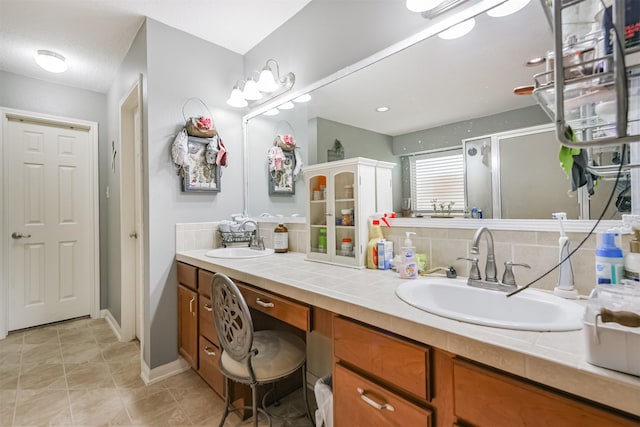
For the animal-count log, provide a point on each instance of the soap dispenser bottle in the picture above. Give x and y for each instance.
(408, 266)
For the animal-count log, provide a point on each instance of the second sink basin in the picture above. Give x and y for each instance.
(529, 310)
(236, 253)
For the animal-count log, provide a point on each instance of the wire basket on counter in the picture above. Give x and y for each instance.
(231, 237)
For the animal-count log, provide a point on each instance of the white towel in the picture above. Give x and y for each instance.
(324, 398)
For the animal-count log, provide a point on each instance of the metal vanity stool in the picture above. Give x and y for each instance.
(248, 356)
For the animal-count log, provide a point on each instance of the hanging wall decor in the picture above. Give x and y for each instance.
(284, 162)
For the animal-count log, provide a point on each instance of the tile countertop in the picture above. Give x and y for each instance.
(553, 358)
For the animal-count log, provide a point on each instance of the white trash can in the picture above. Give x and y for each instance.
(324, 399)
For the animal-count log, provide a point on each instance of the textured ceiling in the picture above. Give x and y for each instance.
(94, 35)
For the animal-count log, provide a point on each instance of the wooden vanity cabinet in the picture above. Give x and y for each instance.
(379, 379)
(188, 313)
(487, 398)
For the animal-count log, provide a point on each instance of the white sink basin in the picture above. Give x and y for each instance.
(529, 310)
(237, 253)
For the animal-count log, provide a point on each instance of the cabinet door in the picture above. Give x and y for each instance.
(318, 215)
(188, 325)
(209, 365)
(343, 189)
(486, 398)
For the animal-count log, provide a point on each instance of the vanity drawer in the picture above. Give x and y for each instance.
(204, 282)
(288, 311)
(393, 360)
(187, 275)
(360, 402)
(205, 320)
(208, 368)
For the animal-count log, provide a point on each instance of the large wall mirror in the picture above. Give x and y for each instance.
(440, 93)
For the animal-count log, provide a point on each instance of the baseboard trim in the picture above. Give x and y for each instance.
(150, 376)
(106, 314)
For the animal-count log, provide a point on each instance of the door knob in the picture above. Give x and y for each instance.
(133, 235)
(15, 235)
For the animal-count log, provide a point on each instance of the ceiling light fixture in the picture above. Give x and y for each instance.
(507, 8)
(458, 30)
(422, 5)
(268, 85)
(382, 109)
(272, 112)
(51, 61)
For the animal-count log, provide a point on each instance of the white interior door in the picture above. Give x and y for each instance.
(50, 257)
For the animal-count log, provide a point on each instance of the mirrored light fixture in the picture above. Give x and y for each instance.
(422, 5)
(51, 61)
(236, 99)
(303, 98)
(286, 106)
(507, 8)
(458, 30)
(272, 112)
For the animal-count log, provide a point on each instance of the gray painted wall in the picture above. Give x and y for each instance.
(359, 142)
(328, 35)
(181, 66)
(133, 64)
(38, 96)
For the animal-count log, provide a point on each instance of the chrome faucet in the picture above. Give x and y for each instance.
(490, 281)
(256, 242)
(490, 271)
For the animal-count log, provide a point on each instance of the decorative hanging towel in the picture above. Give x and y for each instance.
(179, 149)
(201, 126)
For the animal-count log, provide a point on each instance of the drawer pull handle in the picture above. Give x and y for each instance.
(208, 307)
(191, 305)
(264, 304)
(208, 352)
(373, 403)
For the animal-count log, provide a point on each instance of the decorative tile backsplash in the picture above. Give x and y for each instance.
(443, 246)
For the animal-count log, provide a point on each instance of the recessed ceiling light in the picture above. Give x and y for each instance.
(507, 8)
(382, 109)
(286, 106)
(51, 61)
(272, 112)
(458, 30)
(536, 61)
(303, 98)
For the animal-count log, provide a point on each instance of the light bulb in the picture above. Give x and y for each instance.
(266, 82)
(236, 99)
(251, 92)
(458, 30)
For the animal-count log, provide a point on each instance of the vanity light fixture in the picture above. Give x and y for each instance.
(51, 61)
(303, 98)
(236, 99)
(286, 106)
(458, 30)
(272, 112)
(269, 83)
(382, 109)
(507, 8)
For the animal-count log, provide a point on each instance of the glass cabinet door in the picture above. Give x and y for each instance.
(344, 208)
(318, 210)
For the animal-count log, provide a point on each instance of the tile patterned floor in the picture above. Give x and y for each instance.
(76, 373)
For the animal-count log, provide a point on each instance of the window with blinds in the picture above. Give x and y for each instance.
(438, 176)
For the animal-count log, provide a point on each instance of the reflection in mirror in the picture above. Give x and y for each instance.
(439, 93)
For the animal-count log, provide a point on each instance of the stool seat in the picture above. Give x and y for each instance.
(279, 354)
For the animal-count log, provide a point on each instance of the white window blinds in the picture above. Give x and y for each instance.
(438, 176)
